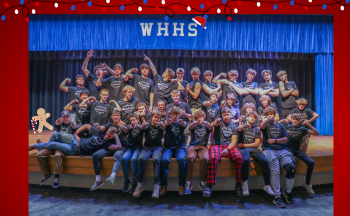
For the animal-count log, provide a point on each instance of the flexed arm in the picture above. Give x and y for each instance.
(90, 54)
(153, 68)
(117, 107)
(105, 67)
(83, 104)
(63, 86)
(215, 80)
(128, 73)
(69, 106)
(197, 90)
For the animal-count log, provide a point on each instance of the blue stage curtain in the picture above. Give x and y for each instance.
(272, 33)
(324, 93)
(45, 76)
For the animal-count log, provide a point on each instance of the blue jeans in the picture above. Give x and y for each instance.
(96, 159)
(147, 152)
(180, 154)
(132, 154)
(60, 141)
(118, 155)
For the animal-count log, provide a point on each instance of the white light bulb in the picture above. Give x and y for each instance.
(189, 8)
(236, 11)
(310, 1)
(108, 1)
(140, 8)
(33, 11)
(219, 11)
(258, 4)
(56, 5)
(163, 2)
(16, 11)
(342, 7)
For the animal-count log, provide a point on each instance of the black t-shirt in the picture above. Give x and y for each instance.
(261, 109)
(153, 136)
(235, 114)
(95, 91)
(199, 135)
(212, 112)
(249, 98)
(273, 85)
(93, 144)
(182, 105)
(248, 135)
(289, 102)
(295, 136)
(115, 87)
(256, 123)
(223, 133)
(65, 128)
(135, 138)
(273, 131)
(195, 103)
(127, 108)
(174, 136)
(83, 114)
(121, 134)
(75, 92)
(143, 88)
(206, 96)
(100, 112)
(228, 89)
(306, 114)
(162, 89)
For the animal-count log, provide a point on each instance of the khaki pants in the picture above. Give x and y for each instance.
(203, 153)
(43, 160)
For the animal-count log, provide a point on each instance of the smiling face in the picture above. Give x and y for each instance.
(80, 81)
(155, 119)
(109, 135)
(145, 72)
(40, 111)
(250, 76)
(283, 77)
(270, 115)
(128, 94)
(251, 119)
(66, 119)
(141, 109)
(161, 106)
(248, 110)
(83, 96)
(214, 98)
(175, 97)
(232, 77)
(133, 121)
(116, 118)
(264, 103)
(104, 95)
(98, 71)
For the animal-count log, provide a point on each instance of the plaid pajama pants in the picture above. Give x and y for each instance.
(215, 157)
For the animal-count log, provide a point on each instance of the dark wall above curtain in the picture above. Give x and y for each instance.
(272, 33)
(45, 76)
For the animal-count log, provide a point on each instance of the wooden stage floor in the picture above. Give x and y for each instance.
(318, 145)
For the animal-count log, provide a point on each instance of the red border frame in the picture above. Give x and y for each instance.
(14, 58)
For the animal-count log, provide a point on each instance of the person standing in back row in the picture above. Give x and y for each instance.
(288, 91)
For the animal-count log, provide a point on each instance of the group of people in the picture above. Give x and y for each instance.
(167, 117)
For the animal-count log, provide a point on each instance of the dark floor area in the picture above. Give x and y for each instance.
(75, 201)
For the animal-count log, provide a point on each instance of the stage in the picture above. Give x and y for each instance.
(78, 171)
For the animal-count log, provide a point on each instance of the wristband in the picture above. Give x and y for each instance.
(275, 140)
(228, 149)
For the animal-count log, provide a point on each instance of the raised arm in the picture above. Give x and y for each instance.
(106, 67)
(90, 54)
(83, 104)
(82, 128)
(266, 121)
(197, 90)
(215, 80)
(217, 122)
(153, 68)
(117, 107)
(63, 86)
(128, 73)
(69, 106)
(313, 130)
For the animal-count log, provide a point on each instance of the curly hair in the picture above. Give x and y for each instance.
(175, 110)
(252, 113)
(249, 105)
(128, 88)
(265, 97)
(301, 101)
(252, 71)
(267, 110)
(198, 114)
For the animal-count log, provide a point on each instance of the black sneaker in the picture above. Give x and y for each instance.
(278, 202)
(55, 183)
(126, 186)
(207, 191)
(239, 190)
(45, 178)
(133, 186)
(288, 197)
(96, 185)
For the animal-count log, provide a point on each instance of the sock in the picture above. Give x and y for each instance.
(188, 182)
(57, 175)
(126, 178)
(202, 183)
(113, 174)
(98, 178)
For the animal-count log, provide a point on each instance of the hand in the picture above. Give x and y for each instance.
(188, 87)
(96, 125)
(92, 98)
(69, 80)
(306, 122)
(134, 70)
(271, 119)
(224, 152)
(59, 121)
(137, 126)
(146, 58)
(241, 117)
(222, 105)
(173, 80)
(205, 123)
(157, 124)
(104, 73)
(112, 102)
(150, 109)
(218, 121)
(104, 66)
(168, 121)
(76, 101)
(223, 75)
(195, 123)
(246, 126)
(181, 121)
(271, 141)
(129, 127)
(240, 145)
(260, 118)
(185, 99)
(285, 121)
(145, 125)
(90, 53)
(47, 114)
(183, 112)
(121, 123)
(77, 138)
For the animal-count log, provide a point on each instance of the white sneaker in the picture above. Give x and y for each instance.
(269, 190)
(245, 188)
(308, 188)
(138, 190)
(155, 191)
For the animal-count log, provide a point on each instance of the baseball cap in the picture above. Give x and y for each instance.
(180, 70)
(64, 113)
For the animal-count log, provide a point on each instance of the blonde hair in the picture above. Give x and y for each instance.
(252, 71)
(301, 101)
(175, 92)
(104, 90)
(128, 88)
(208, 72)
(170, 72)
(281, 72)
(265, 97)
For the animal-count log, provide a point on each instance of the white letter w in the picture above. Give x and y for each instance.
(146, 28)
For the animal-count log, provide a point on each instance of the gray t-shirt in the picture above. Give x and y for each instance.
(143, 88)
(162, 89)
